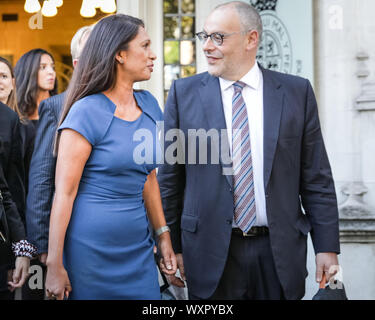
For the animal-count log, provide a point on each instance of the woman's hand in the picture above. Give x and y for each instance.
(57, 283)
(20, 273)
(168, 263)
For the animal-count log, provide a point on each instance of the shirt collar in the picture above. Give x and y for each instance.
(251, 79)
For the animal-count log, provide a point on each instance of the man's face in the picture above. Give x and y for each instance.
(229, 59)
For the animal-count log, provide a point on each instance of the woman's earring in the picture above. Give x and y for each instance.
(121, 61)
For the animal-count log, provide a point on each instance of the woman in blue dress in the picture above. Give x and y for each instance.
(100, 245)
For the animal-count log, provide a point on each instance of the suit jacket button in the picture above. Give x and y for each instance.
(229, 221)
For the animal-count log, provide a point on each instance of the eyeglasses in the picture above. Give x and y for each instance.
(216, 37)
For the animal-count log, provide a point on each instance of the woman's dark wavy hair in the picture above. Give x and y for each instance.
(96, 70)
(26, 72)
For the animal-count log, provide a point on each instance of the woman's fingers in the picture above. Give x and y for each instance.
(168, 264)
(57, 293)
(66, 293)
(162, 265)
(164, 268)
(168, 261)
(52, 294)
(68, 289)
(60, 296)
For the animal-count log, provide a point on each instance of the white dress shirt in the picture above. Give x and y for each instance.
(253, 96)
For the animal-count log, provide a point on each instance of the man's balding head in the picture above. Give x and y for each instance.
(78, 42)
(249, 17)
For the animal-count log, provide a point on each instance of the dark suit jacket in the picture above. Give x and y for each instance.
(28, 133)
(11, 156)
(11, 224)
(11, 174)
(42, 174)
(198, 199)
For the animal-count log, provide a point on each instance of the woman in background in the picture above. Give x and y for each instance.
(10, 134)
(11, 186)
(8, 92)
(35, 81)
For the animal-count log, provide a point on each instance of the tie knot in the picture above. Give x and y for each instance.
(238, 86)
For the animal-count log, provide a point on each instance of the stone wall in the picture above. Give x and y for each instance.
(345, 86)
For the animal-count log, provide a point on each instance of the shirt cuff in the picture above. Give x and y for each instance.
(23, 248)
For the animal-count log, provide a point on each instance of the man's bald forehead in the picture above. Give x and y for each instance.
(223, 12)
(248, 16)
(228, 6)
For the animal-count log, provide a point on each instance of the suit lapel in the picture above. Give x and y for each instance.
(273, 99)
(212, 104)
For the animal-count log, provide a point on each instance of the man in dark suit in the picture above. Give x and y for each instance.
(43, 163)
(244, 235)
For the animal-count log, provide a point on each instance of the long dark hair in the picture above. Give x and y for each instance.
(12, 99)
(26, 72)
(96, 70)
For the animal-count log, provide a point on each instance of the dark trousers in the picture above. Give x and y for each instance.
(249, 273)
(5, 294)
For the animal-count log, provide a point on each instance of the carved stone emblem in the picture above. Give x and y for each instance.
(275, 50)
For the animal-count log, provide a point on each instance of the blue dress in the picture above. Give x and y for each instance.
(108, 251)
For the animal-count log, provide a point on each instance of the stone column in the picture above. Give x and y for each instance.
(151, 12)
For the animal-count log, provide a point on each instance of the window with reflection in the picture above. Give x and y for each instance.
(179, 41)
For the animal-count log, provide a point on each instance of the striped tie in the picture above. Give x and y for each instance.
(244, 198)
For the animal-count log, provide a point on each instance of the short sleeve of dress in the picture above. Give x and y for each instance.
(90, 117)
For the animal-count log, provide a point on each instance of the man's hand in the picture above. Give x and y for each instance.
(176, 281)
(326, 262)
